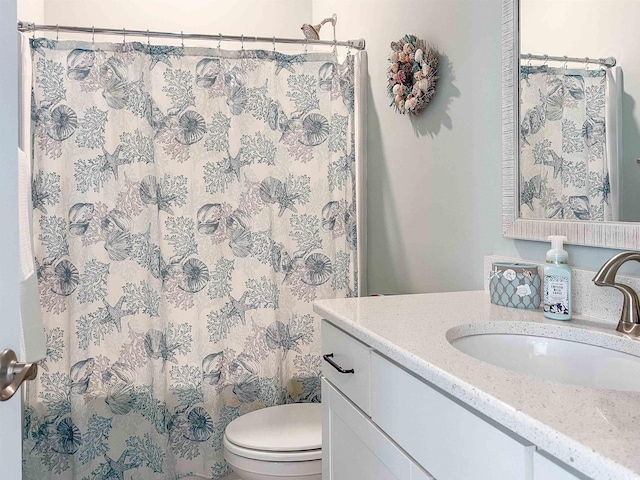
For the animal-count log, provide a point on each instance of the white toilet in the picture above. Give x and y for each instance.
(276, 443)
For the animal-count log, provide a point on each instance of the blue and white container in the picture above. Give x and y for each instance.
(515, 285)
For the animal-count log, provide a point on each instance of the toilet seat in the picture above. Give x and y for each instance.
(272, 456)
(285, 433)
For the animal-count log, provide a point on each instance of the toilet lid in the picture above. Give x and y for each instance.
(285, 428)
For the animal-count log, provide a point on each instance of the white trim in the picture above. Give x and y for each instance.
(617, 235)
(360, 115)
(10, 411)
(509, 113)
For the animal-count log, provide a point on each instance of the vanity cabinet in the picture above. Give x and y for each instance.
(380, 422)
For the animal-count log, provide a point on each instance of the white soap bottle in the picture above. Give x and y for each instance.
(557, 281)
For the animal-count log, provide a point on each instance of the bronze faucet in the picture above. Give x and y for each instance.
(606, 277)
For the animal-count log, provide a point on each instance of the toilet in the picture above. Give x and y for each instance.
(276, 443)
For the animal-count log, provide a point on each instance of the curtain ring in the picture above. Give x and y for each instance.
(124, 36)
(529, 62)
(546, 59)
(219, 40)
(306, 44)
(274, 43)
(148, 38)
(565, 62)
(33, 31)
(335, 46)
(182, 38)
(57, 32)
(349, 48)
(93, 35)
(242, 41)
(586, 63)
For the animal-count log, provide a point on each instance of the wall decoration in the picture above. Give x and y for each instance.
(412, 74)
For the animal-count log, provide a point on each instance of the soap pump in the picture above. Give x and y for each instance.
(557, 281)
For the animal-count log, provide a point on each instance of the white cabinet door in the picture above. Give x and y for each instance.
(353, 448)
(10, 411)
(450, 441)
(546, 469)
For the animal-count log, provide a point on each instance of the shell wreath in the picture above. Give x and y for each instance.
(412, 74)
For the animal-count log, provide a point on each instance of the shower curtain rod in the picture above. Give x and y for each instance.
(358, 44)
(605, 62)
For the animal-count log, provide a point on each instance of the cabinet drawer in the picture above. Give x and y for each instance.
(353, 448)
(445, 438)
(546, 469)
(348, 353)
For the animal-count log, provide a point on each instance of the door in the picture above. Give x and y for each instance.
(10, 411)
(353, 448)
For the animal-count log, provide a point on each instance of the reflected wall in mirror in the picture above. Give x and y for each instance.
(571, 137)
(579, 137)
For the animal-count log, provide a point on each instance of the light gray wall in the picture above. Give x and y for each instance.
(249, 17)
(433, 197)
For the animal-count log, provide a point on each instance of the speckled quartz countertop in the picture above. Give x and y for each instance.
(595, 431)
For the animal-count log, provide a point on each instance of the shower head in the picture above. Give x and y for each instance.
(312, 32)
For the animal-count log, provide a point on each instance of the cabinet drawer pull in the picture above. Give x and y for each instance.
(328, 356)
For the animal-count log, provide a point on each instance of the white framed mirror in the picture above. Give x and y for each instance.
(563, 167)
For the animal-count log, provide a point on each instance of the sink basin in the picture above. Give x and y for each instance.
(561, 360)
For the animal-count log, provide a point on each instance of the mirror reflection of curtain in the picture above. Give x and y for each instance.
(565, 169)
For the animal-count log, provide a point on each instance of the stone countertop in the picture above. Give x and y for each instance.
(595, 431)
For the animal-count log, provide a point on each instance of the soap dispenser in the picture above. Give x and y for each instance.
(557, 281)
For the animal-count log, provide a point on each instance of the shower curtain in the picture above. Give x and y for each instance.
(189, 205)
(566, 170)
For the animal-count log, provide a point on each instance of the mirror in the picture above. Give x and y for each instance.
(571, 72)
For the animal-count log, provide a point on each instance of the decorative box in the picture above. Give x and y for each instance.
(516, 285)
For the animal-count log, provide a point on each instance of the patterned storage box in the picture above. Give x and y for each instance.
(516, 285)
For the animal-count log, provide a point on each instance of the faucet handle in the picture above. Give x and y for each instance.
(606, 277)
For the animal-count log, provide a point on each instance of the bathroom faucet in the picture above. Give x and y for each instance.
(630, 319)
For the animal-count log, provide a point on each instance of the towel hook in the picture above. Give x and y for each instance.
(57, 32)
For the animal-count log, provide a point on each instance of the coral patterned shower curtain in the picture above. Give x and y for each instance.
(564, 169)
(190, 204)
